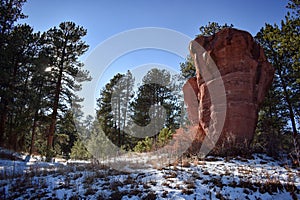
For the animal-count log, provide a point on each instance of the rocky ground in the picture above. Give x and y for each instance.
(258, 177)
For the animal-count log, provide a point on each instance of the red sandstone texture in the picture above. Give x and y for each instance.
(233, 77)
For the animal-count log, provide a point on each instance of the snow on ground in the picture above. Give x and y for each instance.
(214, 178)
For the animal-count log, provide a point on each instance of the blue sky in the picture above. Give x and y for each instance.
(106, 18)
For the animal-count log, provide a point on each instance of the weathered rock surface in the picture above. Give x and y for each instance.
(233, 76)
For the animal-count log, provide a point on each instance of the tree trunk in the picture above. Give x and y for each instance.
(56, 99)
(3, 120)
(289, 104)
(285, 93)
(296, 159)
(119, 122)
(127, 90)
(54, 112)
(34, 125)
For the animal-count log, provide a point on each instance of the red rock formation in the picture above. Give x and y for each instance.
(233, 76)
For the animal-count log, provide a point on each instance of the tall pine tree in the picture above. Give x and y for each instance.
(282, 45)
(11, 12)
(63, 47)
(113, 113)
(154, 97)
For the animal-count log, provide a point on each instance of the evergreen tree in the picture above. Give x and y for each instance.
(156, 93)
(105, 112)
(122, 94)
(79, 151)
(23, 54)
(39, 75)
(212, 28)
(281, 45)
(187, 68)
(39, 93)
(19, 50)
(63, 46)
(114, 107)
(10, 11)
(97, 143)
(66, 133)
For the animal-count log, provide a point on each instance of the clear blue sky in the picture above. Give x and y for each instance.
(105, 18)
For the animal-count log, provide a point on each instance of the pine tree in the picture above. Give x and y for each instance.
(281, 45)
(38, 96)
(11, 12)
(63, 46)
(212, 28)
(39, 75)
(19, 52)
(79, 151)
(66, 133)
(187, 68)
(122, 94)
(105, 113)
(113, 109)
(155, 105)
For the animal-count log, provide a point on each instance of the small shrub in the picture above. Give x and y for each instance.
(195, 175)
(217, 182)
(145, 186)
(177, 186)
(185, 163)
(219, 196)
(116, 195)
(206, 172)
(165, 194)
(114, 185)
(89, 191)
(246, 191)
(262, 190)
(233, 184)
(77, 175)
(290, 187)
(144, 145)
(154, 183)
(187, 191)
(247, 184)
(88, 180)
(170, 175)
(150, 196)
(79, 151)
(164, 136)
(101, 196)
(165, 184)
(190, 186)
(135, 192)
(129, 180)
(50, 153)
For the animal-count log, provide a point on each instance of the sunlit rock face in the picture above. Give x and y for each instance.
(223, 100)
